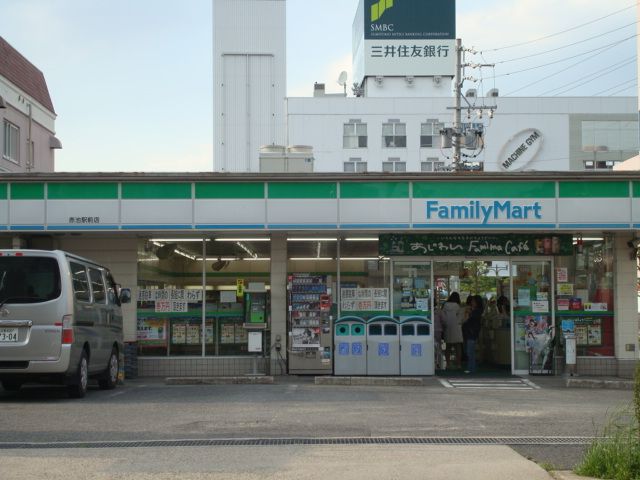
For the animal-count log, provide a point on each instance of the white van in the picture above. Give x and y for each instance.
(60, 321)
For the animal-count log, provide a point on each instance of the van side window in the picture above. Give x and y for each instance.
(80, 282)
(97, 285)
(112, 289)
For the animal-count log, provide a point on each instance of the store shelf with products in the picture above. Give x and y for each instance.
(310, 321)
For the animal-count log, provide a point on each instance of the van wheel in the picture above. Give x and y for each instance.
(109, 378)
(80, 379)
(11, 386)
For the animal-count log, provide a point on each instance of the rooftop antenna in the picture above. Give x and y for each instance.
(342, 80)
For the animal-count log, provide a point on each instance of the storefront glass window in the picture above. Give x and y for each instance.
(177, 278)
(364, 278)
(584, 295)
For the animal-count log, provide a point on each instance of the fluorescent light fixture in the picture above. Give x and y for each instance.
(185, 254)
(179, 239)
(309, 259)
(359, 258)
(257, 259)
(589, 239)
(307, 239)
(215, 259)
(364, 239)
(259, 239)
(250, 252)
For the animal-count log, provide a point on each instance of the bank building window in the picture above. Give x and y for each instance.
(431, 165)
(430, 133)
(394, 165)
(11, 140)
(355, 165)
(394, 135)
(354, 135)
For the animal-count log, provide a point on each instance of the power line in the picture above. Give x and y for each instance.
(563, 31)
(592, 79)
(629, 59)
(634, 80)
(622, 90)
(568, 45)
(626, 61)
(600, 49)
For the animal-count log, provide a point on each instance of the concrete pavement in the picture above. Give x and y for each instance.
(359, 462)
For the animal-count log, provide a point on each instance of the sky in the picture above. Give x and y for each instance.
(131, 80)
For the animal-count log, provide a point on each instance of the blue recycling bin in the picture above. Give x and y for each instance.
(350, 346)
(416, 346)
(383, 346)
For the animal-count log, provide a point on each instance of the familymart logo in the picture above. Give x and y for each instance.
(378, 9)
(484, 211)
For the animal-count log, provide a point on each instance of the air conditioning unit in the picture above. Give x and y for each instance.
(471, 93)
(494, 93)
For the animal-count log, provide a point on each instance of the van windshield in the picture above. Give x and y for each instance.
(28, 279)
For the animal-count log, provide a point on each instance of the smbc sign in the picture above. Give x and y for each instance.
(410, 19)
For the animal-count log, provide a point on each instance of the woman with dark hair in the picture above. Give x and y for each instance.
(471, 330)
(452, 325)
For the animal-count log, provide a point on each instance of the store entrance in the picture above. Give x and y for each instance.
(488, 282)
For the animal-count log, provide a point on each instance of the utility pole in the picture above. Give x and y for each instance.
(456, 134)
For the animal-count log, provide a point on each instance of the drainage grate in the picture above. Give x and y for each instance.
(254, 442)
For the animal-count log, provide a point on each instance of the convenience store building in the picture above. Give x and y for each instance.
(196, 249)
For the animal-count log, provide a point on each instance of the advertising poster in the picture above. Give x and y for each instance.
(565, 288)
(227, 333)
(539, 334)
(524, 297)
(582, 338)
(152, 331)
(520, 336)
(240, 334)
(562, 275)
(208, 333)
(540, 306)
(193, 334)
(305, 337)
(179, 334)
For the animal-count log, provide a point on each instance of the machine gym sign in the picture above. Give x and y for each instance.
(520, 150)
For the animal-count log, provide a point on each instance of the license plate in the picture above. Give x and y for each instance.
(8, 335)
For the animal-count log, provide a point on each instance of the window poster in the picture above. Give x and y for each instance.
(227, 333)
(240, 334)
(594, 332)
(524, 297)
(208, 333)
(564, 288)
(152, 330)
(179, 334)
(193, 334)
(582, 335)
(562, 275)
(520, 336)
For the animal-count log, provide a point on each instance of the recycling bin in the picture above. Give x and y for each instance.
(350, 347)
(416, 346)
(383, 346)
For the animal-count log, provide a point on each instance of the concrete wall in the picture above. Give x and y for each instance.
(319, 122)
(626, 307)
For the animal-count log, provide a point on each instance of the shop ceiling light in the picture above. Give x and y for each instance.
(589, 239)
(363, 239)
(359, 258)
(309, 239)
(179, 239)
(258, 239)
(309, 259)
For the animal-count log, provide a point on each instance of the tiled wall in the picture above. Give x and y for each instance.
(205, 367)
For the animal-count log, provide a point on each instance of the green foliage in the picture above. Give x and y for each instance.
(615, 455)
(636, 394)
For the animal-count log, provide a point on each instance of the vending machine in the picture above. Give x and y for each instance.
(310, 324)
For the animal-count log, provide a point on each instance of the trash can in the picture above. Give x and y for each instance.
(350, 347)
(416, 346)
(383, 346)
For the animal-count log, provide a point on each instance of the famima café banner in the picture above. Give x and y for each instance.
(474, 245)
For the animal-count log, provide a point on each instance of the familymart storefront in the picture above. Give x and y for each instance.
(326, 274)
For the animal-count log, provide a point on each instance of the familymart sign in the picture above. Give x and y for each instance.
(490, 212)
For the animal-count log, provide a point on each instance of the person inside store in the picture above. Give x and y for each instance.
(471, 332)
(437, 338)
(504, 310)
(452, 317)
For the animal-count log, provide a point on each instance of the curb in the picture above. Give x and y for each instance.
(568, 475)
(377, 381)
(244, 380)
(594, 383)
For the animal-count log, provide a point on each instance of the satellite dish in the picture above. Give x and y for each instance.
(342, 80)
